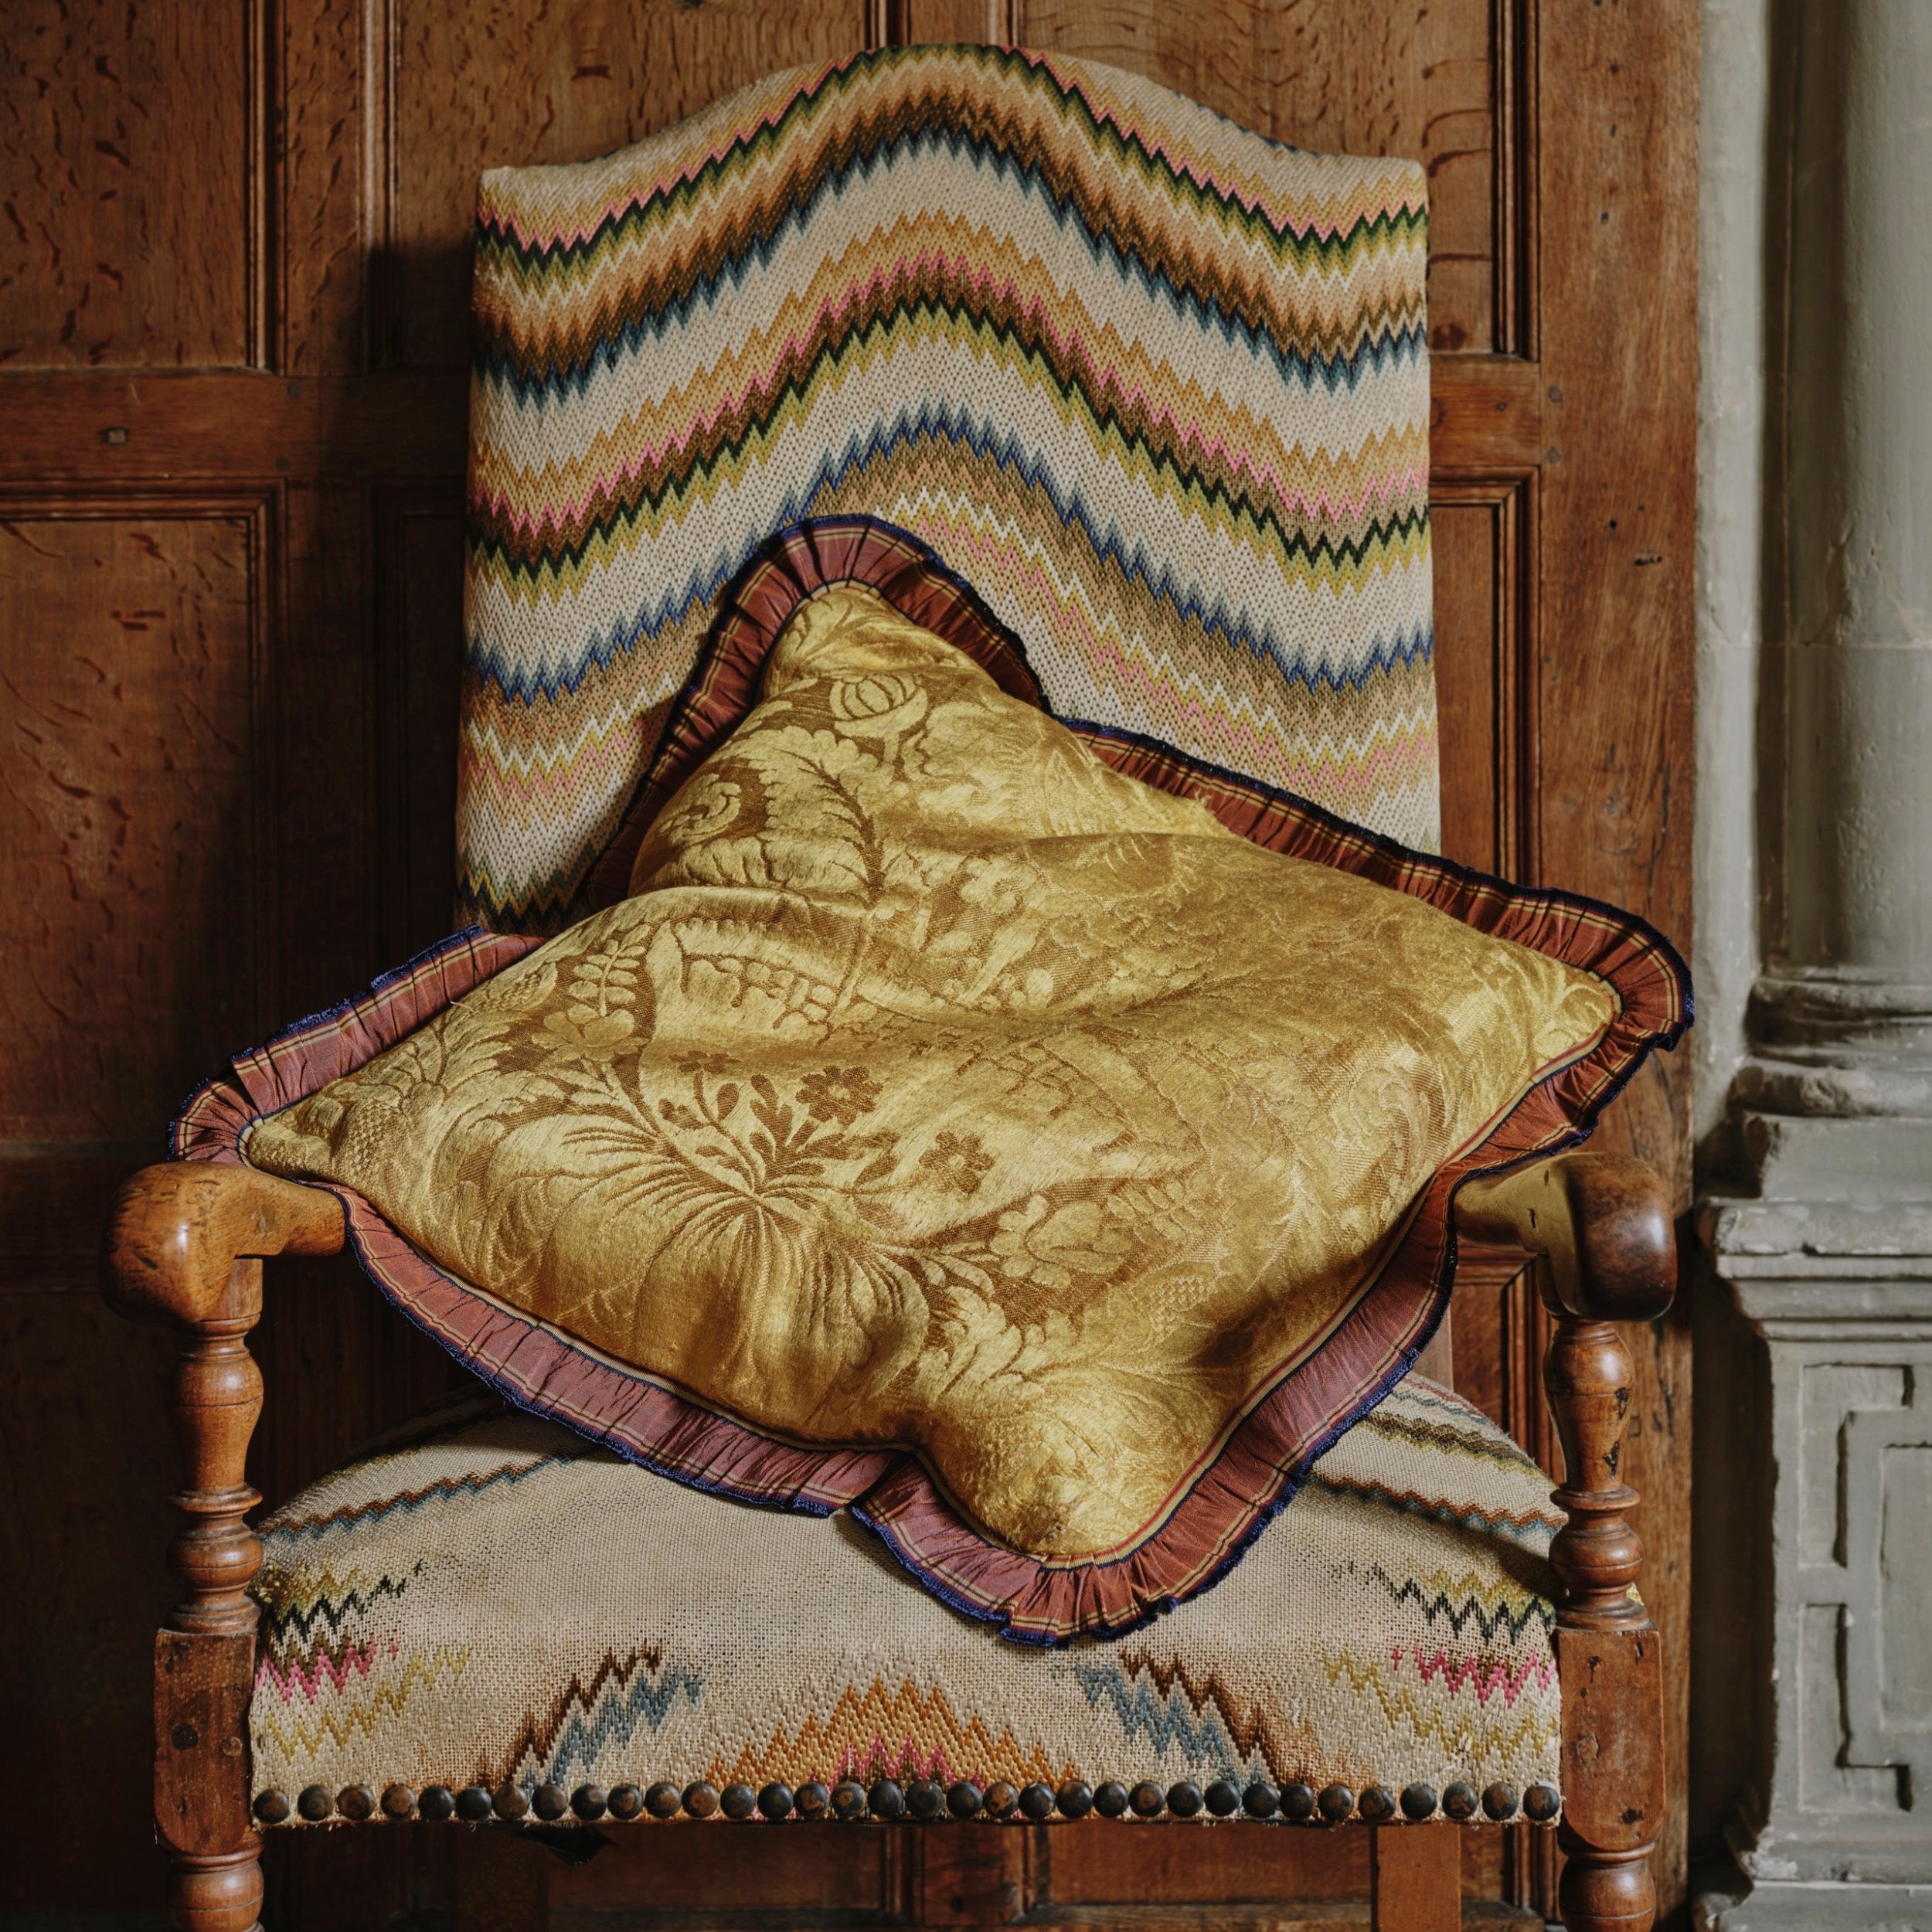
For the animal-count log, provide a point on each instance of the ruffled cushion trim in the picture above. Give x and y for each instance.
(1223, 1503)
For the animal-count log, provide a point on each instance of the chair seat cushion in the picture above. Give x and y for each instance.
(488, 1599)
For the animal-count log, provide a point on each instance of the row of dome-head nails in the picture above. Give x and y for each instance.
(923, 1799)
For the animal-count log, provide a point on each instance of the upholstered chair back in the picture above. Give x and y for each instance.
(1155, 386)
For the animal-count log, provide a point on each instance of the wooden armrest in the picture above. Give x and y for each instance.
(175, 1232)
(183, 1247)
(1601, 1222)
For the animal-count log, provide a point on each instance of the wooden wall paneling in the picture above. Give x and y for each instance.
(123, 432)
(905, 23)
(327, 838)
(131, 630)
(418, 643)
(122, 243)
(1484, 541)
(116, 431)
(130, 634)
(1619, 358)
(330, 155)
(502, 82)
(84, 1485)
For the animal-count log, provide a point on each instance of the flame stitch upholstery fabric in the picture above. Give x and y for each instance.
(971, 1226)
(498, 1602)
(1158, 386)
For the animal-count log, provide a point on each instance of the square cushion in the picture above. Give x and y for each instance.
(951, 1126)
(490, 1601)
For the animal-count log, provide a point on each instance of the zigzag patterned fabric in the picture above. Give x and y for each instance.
(493, 1606)
(1157, 387)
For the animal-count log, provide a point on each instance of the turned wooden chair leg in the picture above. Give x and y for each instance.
(1601, 1225)
(1415, 1878)
(218, 1892)
(205, 1656)
(182, 1249)
(1609, 1660)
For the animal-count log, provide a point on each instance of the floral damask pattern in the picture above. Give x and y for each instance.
(937, 1085)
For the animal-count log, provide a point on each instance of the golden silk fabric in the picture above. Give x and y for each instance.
(938, 1086)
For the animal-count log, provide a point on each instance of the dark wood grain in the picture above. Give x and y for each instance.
(909, 22)
(122, 241)
(820, 1869)
(85, 1474)
(201, 1684)
(129, 632)
(333, 97)
(1414, 1878)
(1485, 423)
(419, 554)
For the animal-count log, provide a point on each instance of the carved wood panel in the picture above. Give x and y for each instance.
(125, 241)
(234, 257)
(129, 636)
(131, 630)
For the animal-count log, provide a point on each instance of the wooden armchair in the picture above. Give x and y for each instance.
(185, 1248)
(186, 1242)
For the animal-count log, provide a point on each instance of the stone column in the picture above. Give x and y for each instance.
(1843, 1018)
(1829, 1252)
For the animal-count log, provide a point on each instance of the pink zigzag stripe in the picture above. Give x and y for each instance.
(1197, 171)
(1487, 1683)
(357, 1661)
(1239, 746)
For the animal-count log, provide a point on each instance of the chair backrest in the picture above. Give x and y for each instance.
(1157, 387)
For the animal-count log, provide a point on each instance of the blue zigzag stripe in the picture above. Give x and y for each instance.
(406, 1504)
(616, 1719)
(1166, 1723)
(1536, 1536)
(910, 426)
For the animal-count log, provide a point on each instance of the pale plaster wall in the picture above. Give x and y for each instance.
(1734, 216)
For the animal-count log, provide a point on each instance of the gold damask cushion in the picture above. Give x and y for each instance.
(950, 1125)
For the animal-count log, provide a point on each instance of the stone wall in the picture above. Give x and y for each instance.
(1812, 1681)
